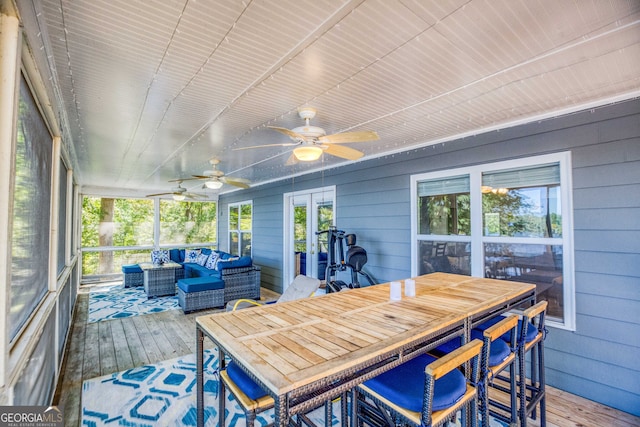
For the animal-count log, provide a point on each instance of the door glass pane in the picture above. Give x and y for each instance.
(300, 238)
(446, 257)
(325, 220)
(537, 264)
(444, 206)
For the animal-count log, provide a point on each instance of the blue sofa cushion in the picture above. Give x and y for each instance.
(195, 270)
(244, 382)
(532, 331)
(131, 268)
(404, 385)
(174, 255)
(198, 284)
(205, 251)
(244, 261)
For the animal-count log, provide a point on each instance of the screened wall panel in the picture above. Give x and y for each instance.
(31, 207)
(36, 384)
(64, 315)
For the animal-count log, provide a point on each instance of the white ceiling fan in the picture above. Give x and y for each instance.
(312, 141)
(179, 193)
(215, 179)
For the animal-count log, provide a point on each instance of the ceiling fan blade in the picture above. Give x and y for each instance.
(345, 137)
(238, 182)
(157, 194)
(286, 144)
(344, 152)
(183, 179)
(291, 134)
(292, 160)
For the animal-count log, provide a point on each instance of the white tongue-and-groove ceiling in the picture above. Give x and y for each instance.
(149, 91)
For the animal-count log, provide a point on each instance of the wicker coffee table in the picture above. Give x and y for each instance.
(159, 279)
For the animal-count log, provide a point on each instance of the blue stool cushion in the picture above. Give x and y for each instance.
(532, 331)
(131, 268)
(498, 352)
(447, 347)
(404, 385)
(244, 383)
(499, 348)
(198, 284)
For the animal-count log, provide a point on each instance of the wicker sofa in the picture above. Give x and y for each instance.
(241, 278)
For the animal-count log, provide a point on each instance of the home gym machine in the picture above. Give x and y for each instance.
(354, 260)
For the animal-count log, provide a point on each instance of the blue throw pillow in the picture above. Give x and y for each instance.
(191, 255)
(212, 261)
(202, 259)
(159, 257)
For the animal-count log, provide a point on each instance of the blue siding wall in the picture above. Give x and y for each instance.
(596, 361)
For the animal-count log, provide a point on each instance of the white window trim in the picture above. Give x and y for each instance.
(229, 230)
(477, 239)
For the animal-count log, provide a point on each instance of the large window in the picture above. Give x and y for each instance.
(31, 212)
(117, 231)
(109, 223)
(507, 220)
(187, 222)
(240, 224)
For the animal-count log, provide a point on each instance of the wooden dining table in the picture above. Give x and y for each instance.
(310, 351)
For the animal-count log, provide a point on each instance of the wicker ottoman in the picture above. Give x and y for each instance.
(133, 275)
(198, 293)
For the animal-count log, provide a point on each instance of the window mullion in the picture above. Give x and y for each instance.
(477, 251)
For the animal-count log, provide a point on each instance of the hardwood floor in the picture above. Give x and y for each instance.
(96, 349)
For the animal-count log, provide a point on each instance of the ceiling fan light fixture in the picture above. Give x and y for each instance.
(213, 184)
(307, 153)
(178, 197)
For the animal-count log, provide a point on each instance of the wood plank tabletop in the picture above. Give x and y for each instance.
(293, 344)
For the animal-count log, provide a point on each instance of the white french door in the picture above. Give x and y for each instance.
(307, 212)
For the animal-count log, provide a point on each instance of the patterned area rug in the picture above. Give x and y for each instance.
(116, 301)
(164, 394)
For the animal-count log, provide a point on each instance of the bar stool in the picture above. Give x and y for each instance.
(530, 336)
(532, 392)
(249, 395)
(498, 355)
(424, 391)
(253, 399)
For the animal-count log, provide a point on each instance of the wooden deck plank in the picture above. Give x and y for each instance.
(138, 355)
(124, 360)
(108, 363)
